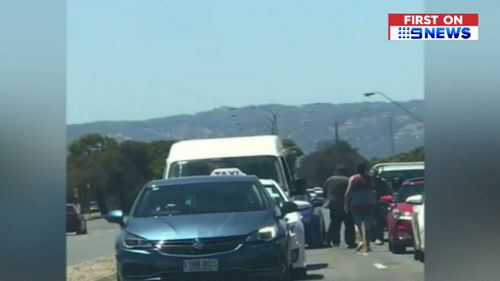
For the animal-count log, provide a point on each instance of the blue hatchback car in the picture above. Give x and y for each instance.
(207, 227)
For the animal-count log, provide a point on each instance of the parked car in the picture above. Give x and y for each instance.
(74, 220)
(94, 207)
(318, 191)
(314, 220)
(418, 225)
(398, 172)
(297, 231)
(204, 227)
(399, 215)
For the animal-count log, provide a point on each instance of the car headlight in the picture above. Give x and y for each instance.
(401, 215)
(130, 241)
(267, 233)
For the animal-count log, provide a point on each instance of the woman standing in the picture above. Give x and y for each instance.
(360, 202)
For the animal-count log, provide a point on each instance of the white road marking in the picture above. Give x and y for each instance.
(379, 266)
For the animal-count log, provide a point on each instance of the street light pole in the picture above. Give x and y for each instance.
(391, 134)
(395, 103)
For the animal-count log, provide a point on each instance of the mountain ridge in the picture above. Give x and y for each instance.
(365, 125)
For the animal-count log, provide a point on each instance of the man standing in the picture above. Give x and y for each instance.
(360, 200)
(335, 188)
(382, 188)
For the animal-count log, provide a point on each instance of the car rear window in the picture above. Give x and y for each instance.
(408, 190)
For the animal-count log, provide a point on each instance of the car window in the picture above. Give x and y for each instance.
(402, 174)
(274, 194)
(199, 199)
(264, 167)
(409, 190)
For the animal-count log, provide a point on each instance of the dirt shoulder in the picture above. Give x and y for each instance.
(94, 270)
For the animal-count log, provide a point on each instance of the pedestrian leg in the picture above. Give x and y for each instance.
(349, 232)
(335, 225)
(368, 223)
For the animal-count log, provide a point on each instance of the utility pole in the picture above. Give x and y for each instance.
(336, 132)
(391, 134)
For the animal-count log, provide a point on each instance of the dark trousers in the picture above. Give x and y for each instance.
(380, 222)
(337, 217)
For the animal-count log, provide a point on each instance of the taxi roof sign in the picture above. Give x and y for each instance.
(227, 172)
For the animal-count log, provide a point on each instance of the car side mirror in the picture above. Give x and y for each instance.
(115, 216)
(289, 207)
(388, 199)
(302, 205)
(415, 200)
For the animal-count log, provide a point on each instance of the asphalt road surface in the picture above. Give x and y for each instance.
(336, 264)
(98, 242)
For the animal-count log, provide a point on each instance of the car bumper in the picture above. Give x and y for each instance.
(311, 226)
(263, 260)
(72, 226)
(402, 234)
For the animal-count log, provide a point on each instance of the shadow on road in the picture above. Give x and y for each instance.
(312, 277)
(316, 266)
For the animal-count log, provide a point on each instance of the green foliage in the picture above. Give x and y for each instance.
(101, 169)
(321, 164)
(415, 155)
(293, 152)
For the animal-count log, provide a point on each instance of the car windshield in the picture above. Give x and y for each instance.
(199, 198)
(402, 174)
(409, 190)
(264, 167)
(275, 194)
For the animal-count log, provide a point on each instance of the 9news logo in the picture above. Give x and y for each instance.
(433, 26)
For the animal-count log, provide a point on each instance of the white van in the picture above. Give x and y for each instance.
(262, 156)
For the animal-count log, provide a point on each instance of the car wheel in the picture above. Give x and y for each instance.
(416, 255)
(300, 272)
(396, 249)
(83, 228)
(320, 241)
(287, 276)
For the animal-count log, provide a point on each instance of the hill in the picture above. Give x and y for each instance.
(364, 125)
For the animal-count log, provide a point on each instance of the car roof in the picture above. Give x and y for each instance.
(268, 182)
(399, 166)
(201, 179)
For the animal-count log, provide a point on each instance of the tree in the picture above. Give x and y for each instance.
(292, 152)
(414, 155)
(115, 171)
(158, 152)
(321, 164)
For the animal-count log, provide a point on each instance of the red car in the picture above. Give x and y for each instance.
(399, 215)
(74, 220)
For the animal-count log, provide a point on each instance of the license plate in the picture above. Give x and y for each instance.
(201, 265)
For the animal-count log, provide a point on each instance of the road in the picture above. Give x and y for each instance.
(97, 243)
(336, 264)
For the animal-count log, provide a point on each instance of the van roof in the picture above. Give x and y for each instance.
(225, 147)
(399, 166)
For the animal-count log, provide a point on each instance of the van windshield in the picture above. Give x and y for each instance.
(264, 167)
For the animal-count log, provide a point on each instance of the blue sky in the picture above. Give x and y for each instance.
(134, 60)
